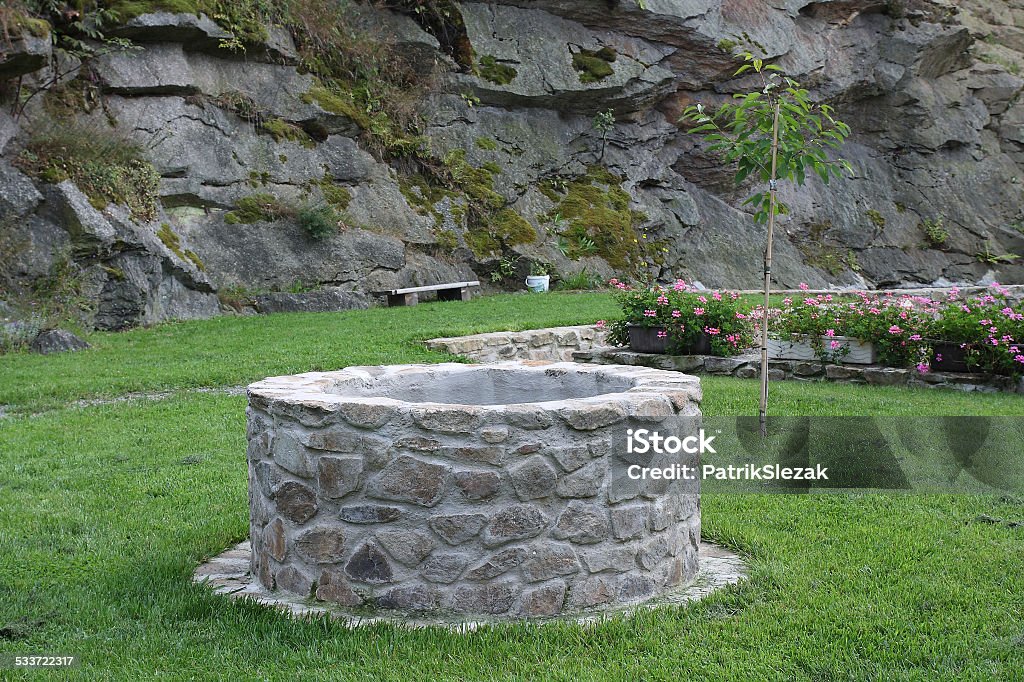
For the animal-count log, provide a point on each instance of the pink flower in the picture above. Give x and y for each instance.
(787, 301)
(676, 313)
(938, 357)
(923, 367)
(875, 311)
(662, 334)
(680, 285)
(834, 344)
(830, 332)
(810, 301)
(1020, 359)
(985, 323)
(740, 316)
(965, 308)
(650, 313)
(713, 331)
(895, 330)
(717, 296)
(804, 286)
(663, 300)
(698, 311)
(601, 324)
(702, 299)
(915, 337)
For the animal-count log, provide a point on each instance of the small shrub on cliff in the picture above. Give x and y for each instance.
(319, 221)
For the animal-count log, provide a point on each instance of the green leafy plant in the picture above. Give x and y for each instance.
(934, 233)
(987, 255)
(581, 280)
(505, 269)
(776, 132)
(604, 123)
(539, 268)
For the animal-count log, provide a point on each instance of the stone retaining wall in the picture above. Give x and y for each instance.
(359, 499)
(554, 343)
(748, 366)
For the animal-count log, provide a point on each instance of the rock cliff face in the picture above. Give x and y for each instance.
(246, 142)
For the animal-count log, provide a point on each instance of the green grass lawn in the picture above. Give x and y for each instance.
(105, 510)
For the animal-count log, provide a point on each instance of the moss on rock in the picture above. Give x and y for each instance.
(486, 143)
(283, 131)
(598, 221)
(491, 70)
(594, 65)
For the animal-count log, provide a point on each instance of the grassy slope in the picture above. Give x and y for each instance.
(105, 510)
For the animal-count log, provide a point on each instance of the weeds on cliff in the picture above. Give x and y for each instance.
(319, 221)
(107, 166)
(934, 233)
(362, 76)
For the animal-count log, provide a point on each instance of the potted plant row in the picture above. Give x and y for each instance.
(679, 319)
(979, 334)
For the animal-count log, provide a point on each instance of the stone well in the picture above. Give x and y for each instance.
(478, 491)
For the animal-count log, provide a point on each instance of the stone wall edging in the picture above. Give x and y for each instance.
(553, 343)
(748, 366)
(588, 344)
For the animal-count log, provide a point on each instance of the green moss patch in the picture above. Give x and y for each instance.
(385, 135)
(491, 70)
(594, 66)
(598, 221)
(283, 131)
(876, 218)
(486, 143)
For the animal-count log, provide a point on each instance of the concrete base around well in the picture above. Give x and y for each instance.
(228, 574)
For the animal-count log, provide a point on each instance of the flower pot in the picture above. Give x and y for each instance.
(538, 284)
(954, 358)
(799, 347)
(646, 339)
(701, 346)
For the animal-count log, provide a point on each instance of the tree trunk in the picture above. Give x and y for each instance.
(763, 412)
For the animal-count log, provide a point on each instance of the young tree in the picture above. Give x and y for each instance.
(775, 133)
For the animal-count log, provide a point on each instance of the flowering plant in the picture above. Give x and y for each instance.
(989, 329)
(897, 326)
(905, 330)
(685, 315)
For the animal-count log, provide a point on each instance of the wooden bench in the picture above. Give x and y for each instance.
(456, 291)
